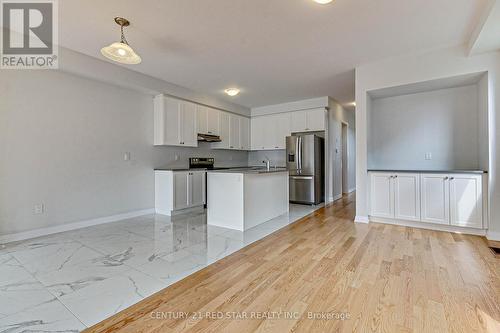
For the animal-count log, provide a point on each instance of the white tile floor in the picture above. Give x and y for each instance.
(72, 280)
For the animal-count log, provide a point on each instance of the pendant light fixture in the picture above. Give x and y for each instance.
(120, 51)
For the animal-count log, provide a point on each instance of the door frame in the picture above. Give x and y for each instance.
(344, 158)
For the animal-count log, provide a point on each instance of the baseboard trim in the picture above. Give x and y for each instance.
(71, 226)
(337, 197)
(493, 236)
(429, 226)
(361, 219)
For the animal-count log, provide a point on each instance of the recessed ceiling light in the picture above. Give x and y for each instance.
(120, 51)
(323, 2)
(232, 91)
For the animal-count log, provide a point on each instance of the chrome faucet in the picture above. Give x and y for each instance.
(268, 164)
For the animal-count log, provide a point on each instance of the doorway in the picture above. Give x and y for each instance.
(345, 163)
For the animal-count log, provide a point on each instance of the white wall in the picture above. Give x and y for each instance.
(277, 157)
(441, 122)
(336, 115)
(104, 71)
(62, 139)
(419, 68)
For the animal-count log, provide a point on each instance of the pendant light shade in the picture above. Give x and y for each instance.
(121, 51)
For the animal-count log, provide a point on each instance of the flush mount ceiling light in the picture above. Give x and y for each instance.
(323, 2)
(120, 51)
(232, 91)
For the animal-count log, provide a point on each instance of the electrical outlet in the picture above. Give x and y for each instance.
(39, 209)
(428, 156)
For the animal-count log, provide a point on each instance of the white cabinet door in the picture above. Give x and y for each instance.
(212, 121)
(244, 133)
(279, 130)
(202, 119)
(167, 118)
(466, 202)
(224, 131)
(196, 188)
(407, 196)
(234, 132)
(257, 129)
(315, 120)
(299, 121)
(181, 192)
(435, 198)
(188, 125)
(382, 195)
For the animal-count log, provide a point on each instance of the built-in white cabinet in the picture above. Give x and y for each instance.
(407, 196)
(244, 133)
(178, 122)
(438, 198)
(308, 120)
(234, 131)
(270, 132)
(435, 198)
(207, 120)
(466, 198)
(179, 190)
(174, 122)
(382, 198)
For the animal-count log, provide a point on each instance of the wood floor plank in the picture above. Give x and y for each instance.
(325, 273)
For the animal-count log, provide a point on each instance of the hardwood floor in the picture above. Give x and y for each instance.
(367, 278)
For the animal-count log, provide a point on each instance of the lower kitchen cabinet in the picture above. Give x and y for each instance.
(407, 196)
(382, 195)
(437, 198)
(179, 190)
(466, 200)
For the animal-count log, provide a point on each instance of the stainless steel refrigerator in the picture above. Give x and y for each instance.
(306, 165)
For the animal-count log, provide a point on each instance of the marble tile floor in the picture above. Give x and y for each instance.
(73, 280)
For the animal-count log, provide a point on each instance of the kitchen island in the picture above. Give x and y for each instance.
(241, 199)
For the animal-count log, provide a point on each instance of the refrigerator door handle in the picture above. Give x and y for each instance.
(302, 177)
(299, 148)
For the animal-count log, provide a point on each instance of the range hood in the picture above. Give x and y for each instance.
(208, 138)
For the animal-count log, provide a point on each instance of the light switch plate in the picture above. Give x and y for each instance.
(428, 156)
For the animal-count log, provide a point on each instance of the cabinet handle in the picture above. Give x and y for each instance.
(396, 176)
(445, 178)
(209, 132)
(451, 178)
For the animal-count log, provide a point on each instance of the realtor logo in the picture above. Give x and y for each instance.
(29, 34)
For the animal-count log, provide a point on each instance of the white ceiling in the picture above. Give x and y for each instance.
(487, 34)
(275, 50)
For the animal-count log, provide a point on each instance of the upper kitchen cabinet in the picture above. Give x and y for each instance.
(234, 132)
(270, 132)
(244, 133)
(223, 125)
(174, 122)
(207, 120)
(308, 120)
